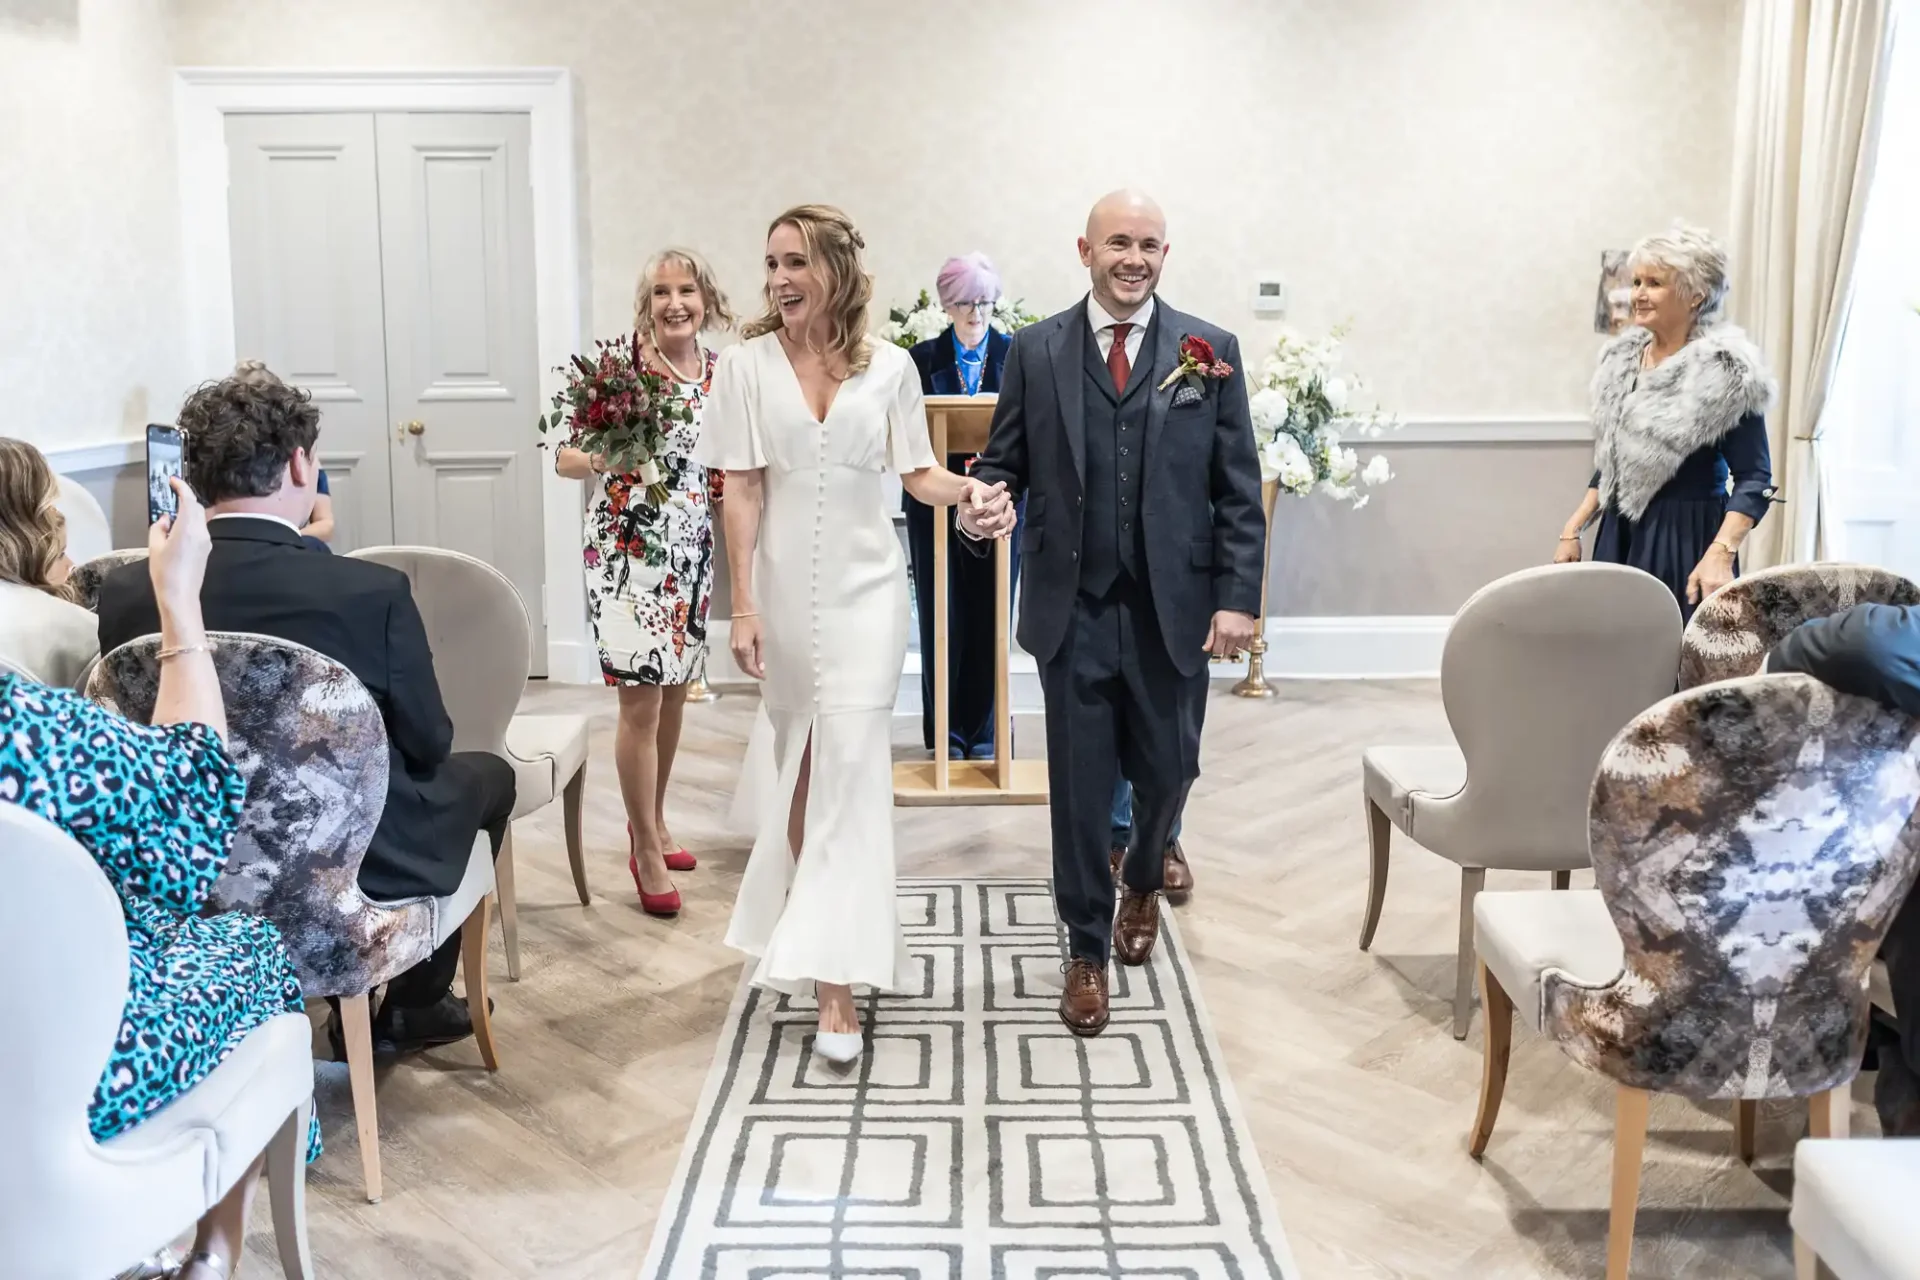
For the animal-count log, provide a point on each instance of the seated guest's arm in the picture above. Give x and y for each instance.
(1872, 650)
(416, 717)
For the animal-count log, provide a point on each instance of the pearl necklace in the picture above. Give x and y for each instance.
(674, 369)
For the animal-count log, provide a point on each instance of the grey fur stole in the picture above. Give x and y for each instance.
(1647, 421)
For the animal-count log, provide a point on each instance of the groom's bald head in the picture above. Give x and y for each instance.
(1123, 249)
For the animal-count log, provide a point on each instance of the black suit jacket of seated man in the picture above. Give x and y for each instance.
(261, 578)
(1873, 651)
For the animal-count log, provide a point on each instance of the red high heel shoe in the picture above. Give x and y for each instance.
(654, 904)
(678, 860)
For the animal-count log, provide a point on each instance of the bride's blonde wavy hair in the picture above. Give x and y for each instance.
(833, 245)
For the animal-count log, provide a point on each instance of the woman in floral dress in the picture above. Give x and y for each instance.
(650, 568)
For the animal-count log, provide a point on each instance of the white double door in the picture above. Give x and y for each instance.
(385, 263)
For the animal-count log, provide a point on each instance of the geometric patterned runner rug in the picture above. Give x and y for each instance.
(977, 1139)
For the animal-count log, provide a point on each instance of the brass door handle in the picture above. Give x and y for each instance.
(416, 427)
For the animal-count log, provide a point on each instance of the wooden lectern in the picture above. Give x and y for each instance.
(959, 424)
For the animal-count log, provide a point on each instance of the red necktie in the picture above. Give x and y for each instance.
(1117, 358)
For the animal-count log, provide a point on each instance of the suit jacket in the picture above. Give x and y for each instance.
(260, 578)
(1872, 650)
(1204, 531)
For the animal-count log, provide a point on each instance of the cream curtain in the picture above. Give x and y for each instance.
(1812, 76)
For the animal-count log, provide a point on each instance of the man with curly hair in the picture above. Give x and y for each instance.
(249, 457)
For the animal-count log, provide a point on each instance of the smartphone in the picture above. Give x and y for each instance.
(164, 447)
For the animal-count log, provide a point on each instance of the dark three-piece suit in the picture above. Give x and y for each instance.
(1143, 519)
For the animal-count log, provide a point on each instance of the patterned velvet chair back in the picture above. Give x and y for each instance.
(309, 739)
(481, 638)
(1735, 628)
(88, 576)
(1752, 841)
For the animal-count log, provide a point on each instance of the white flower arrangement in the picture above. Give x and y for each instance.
(1302, 411)
(926, 319)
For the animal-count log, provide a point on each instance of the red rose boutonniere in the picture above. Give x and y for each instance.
(1197, 361)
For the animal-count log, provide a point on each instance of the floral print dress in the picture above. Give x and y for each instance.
(157, 808)
(650, 569)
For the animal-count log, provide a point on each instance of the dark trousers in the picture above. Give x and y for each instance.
(1896, 1093)
(487, 796)
(1115, 700)
(969, 628)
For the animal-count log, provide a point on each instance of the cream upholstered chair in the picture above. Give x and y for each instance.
(89, 534)
(482, 652)
(1540, 670)
(72, 1206)
(311, 744)
(1752, 841)
(1853, 1209)
(89, 574)
(1736, 627)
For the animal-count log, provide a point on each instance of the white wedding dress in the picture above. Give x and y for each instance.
(830, 584)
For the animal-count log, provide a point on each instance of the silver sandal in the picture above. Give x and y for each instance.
(212, 1261)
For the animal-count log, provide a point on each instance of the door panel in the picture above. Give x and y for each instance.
(456, 233)
(303, 204)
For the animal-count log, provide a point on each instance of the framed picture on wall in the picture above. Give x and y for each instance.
(1612, 303)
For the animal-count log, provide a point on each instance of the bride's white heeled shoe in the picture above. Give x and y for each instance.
(838, 1047)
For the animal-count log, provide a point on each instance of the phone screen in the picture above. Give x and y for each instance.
(163, 463)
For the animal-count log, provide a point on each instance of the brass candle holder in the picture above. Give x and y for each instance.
(1255, 684)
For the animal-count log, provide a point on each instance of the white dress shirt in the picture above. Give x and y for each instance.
(1103, 329)
(254, 515)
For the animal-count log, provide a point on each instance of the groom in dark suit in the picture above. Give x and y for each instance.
(1133, 447)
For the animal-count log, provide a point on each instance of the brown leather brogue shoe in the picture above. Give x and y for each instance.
(1136, 927)
(1115, 855)
(1177, 880)
(1083, 1005)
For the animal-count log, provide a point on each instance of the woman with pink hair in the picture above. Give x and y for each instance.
(965, 360)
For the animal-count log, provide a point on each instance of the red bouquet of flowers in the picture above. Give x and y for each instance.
(615, 406)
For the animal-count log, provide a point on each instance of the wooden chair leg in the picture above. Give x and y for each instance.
(570, 800)
(1629, 1148)
(1379, 838)
(356, 1028)
(1830, 1114)
(1746, 1118)
(1472, 881)
(287, 1191)
(509, 905)
(1806, 1264)
(1563, 879)
(1496, 1014)
(473, 967)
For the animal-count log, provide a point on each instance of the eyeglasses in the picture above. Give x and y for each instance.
(978, 304)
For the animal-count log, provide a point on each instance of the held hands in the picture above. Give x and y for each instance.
(1714, 571)
(177, 547)
(1231, 633)
(986, 510)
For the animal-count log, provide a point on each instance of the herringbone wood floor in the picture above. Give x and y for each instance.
(1358, 1097)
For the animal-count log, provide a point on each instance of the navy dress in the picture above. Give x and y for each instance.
(969, 577)
(1684, 517)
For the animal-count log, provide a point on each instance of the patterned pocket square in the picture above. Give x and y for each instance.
(1188, 394)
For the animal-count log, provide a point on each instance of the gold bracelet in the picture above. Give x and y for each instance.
(1732, 551)
(181, 650)
(1566, 537)
(738, 616)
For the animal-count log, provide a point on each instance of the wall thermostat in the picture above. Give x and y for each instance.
(1269, 295)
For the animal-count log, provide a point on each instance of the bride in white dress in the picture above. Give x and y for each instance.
(806, 418)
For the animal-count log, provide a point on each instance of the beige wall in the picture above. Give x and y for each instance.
(1445, 172)
(90, 299)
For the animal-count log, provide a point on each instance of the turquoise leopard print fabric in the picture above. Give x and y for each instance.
(157, 808)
